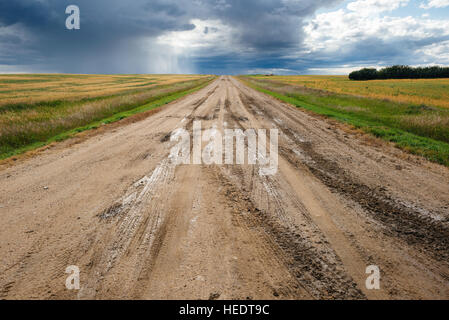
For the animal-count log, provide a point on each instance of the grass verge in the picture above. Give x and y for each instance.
(418, 129)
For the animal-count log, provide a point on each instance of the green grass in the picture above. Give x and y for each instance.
(418, 129)
(26, 140)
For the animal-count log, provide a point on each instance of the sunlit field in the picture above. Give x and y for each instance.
(411, 113)
(431, 92)
(36, 108)
(49, 87)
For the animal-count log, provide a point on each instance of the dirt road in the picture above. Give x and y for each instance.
(139, 226)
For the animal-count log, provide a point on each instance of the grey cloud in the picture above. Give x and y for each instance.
(106, 42)
(266, 25)
(370, 52)
(118, 36)
(111, 29)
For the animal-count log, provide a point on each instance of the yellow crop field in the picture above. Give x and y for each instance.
(431, 92)
(37, 88)
(37, 108)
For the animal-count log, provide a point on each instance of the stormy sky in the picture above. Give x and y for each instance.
(222, 36)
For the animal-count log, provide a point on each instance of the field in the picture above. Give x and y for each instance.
(35, 109)
(430, 92)
(35, 88)
(414, 114)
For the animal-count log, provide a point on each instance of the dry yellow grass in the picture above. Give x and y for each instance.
(414, 114)
(36, 88)
(431, 92)
(36, 108)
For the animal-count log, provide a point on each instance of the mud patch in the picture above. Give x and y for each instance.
(399, 220)
(227, 104)
(197, 104)
(111, 212)
(165, 137)
(322, 276)
(239, 118)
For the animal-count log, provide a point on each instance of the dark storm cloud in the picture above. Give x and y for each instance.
(107, 38)
(268, 25)
(111, 31)
(25, 12)
(118, 36)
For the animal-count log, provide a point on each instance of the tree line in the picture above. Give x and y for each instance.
(400, 72)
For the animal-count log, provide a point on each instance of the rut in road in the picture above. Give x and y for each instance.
(140, 226)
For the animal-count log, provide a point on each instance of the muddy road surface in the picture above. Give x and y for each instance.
(140, 226)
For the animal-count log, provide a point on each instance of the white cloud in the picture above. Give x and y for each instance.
(270, 71)
(369, 7)
(437, 53)
(338, 32)
(337, 70)
(435, 4)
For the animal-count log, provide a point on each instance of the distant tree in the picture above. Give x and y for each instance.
(400, 72)
(364, 74)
